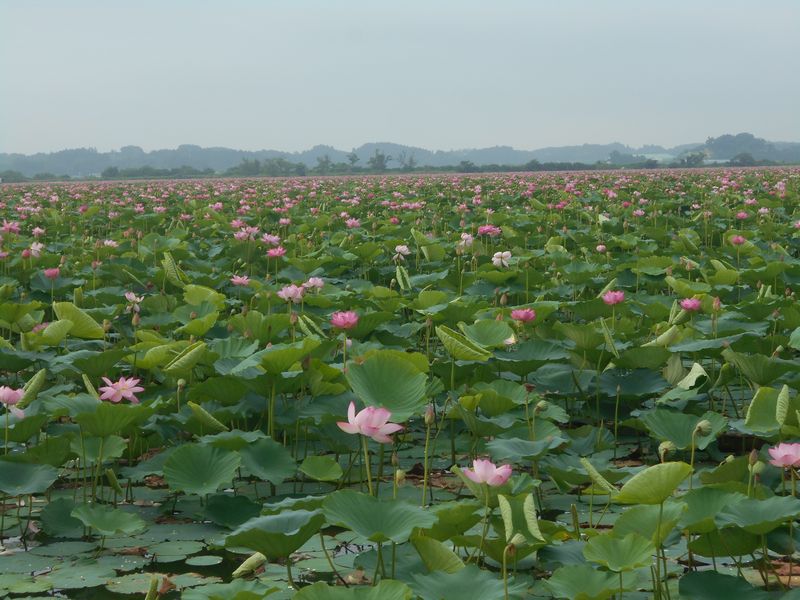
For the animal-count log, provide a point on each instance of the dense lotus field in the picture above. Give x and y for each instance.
(577, 386)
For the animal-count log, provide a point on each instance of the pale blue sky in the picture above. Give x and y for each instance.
(440, 74)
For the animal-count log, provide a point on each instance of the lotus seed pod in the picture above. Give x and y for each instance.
(399, 476)
(665, 448)
(541, 406)
(753, 458)
(703, 427)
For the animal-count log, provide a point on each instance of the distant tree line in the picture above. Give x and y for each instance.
(379, 164)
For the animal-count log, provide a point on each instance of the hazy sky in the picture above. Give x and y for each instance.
(435, 73)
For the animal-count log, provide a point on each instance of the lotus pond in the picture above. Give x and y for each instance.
(569, 385)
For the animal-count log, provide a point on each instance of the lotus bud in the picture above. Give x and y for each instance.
(541, 406)
(716, 305)
(729, 458)
(753, 457)
(399, 476)
(181, 384)
(757, 467)
(395, 460)
(293, 318)
(136, 319)
(503, 299)
(430, 416)
(665, 448)
(107, 325)
(703, 427)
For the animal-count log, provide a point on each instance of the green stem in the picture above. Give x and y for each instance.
(367, 465)
(425, 465)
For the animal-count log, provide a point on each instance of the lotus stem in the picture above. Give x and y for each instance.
(367, 465)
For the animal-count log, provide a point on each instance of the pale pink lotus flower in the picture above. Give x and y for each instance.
(690, 304)
(115, 391)
(240, 280)
(344, 319)
(37, 232)
(601, 248)
(371, 422)
(785, 455)
(272, 240)
(315, 283)
(738, 240)
(36, 249)
(352, 223)
(523, 315)
(52, 274)
(276, 252)
(485, 471)
(401, 251)
(110, 243)
(612, 297)
(9, 227)
(9, 396)
(500, 259)
(292, 293)
(467, 239)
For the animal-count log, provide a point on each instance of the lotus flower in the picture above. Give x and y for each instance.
(371, 422)
(9, 396)
(785, 455)
(613, 297)
(344, 320)
(690, 304)
(500, 259)
(485, 471)
(523, 315)
(115, 391)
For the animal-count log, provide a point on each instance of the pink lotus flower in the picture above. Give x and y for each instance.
(315, 283)
(345, 319)
(613, 297)
(240, 280)
(485, 471)
(292, 293)
(785, 455)
(9, 396)
(690, 304)
(52, 274)
(738, 240)
(490, 230)
(115, 391)
(523, 315)
(601, 248)
(276, 252)
(371, 422)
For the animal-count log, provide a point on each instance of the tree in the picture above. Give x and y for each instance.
(110, 173)
(379, 161)
(467, 166)
(407, 162)
(323, 164)
(352, 158)
(743, 159)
